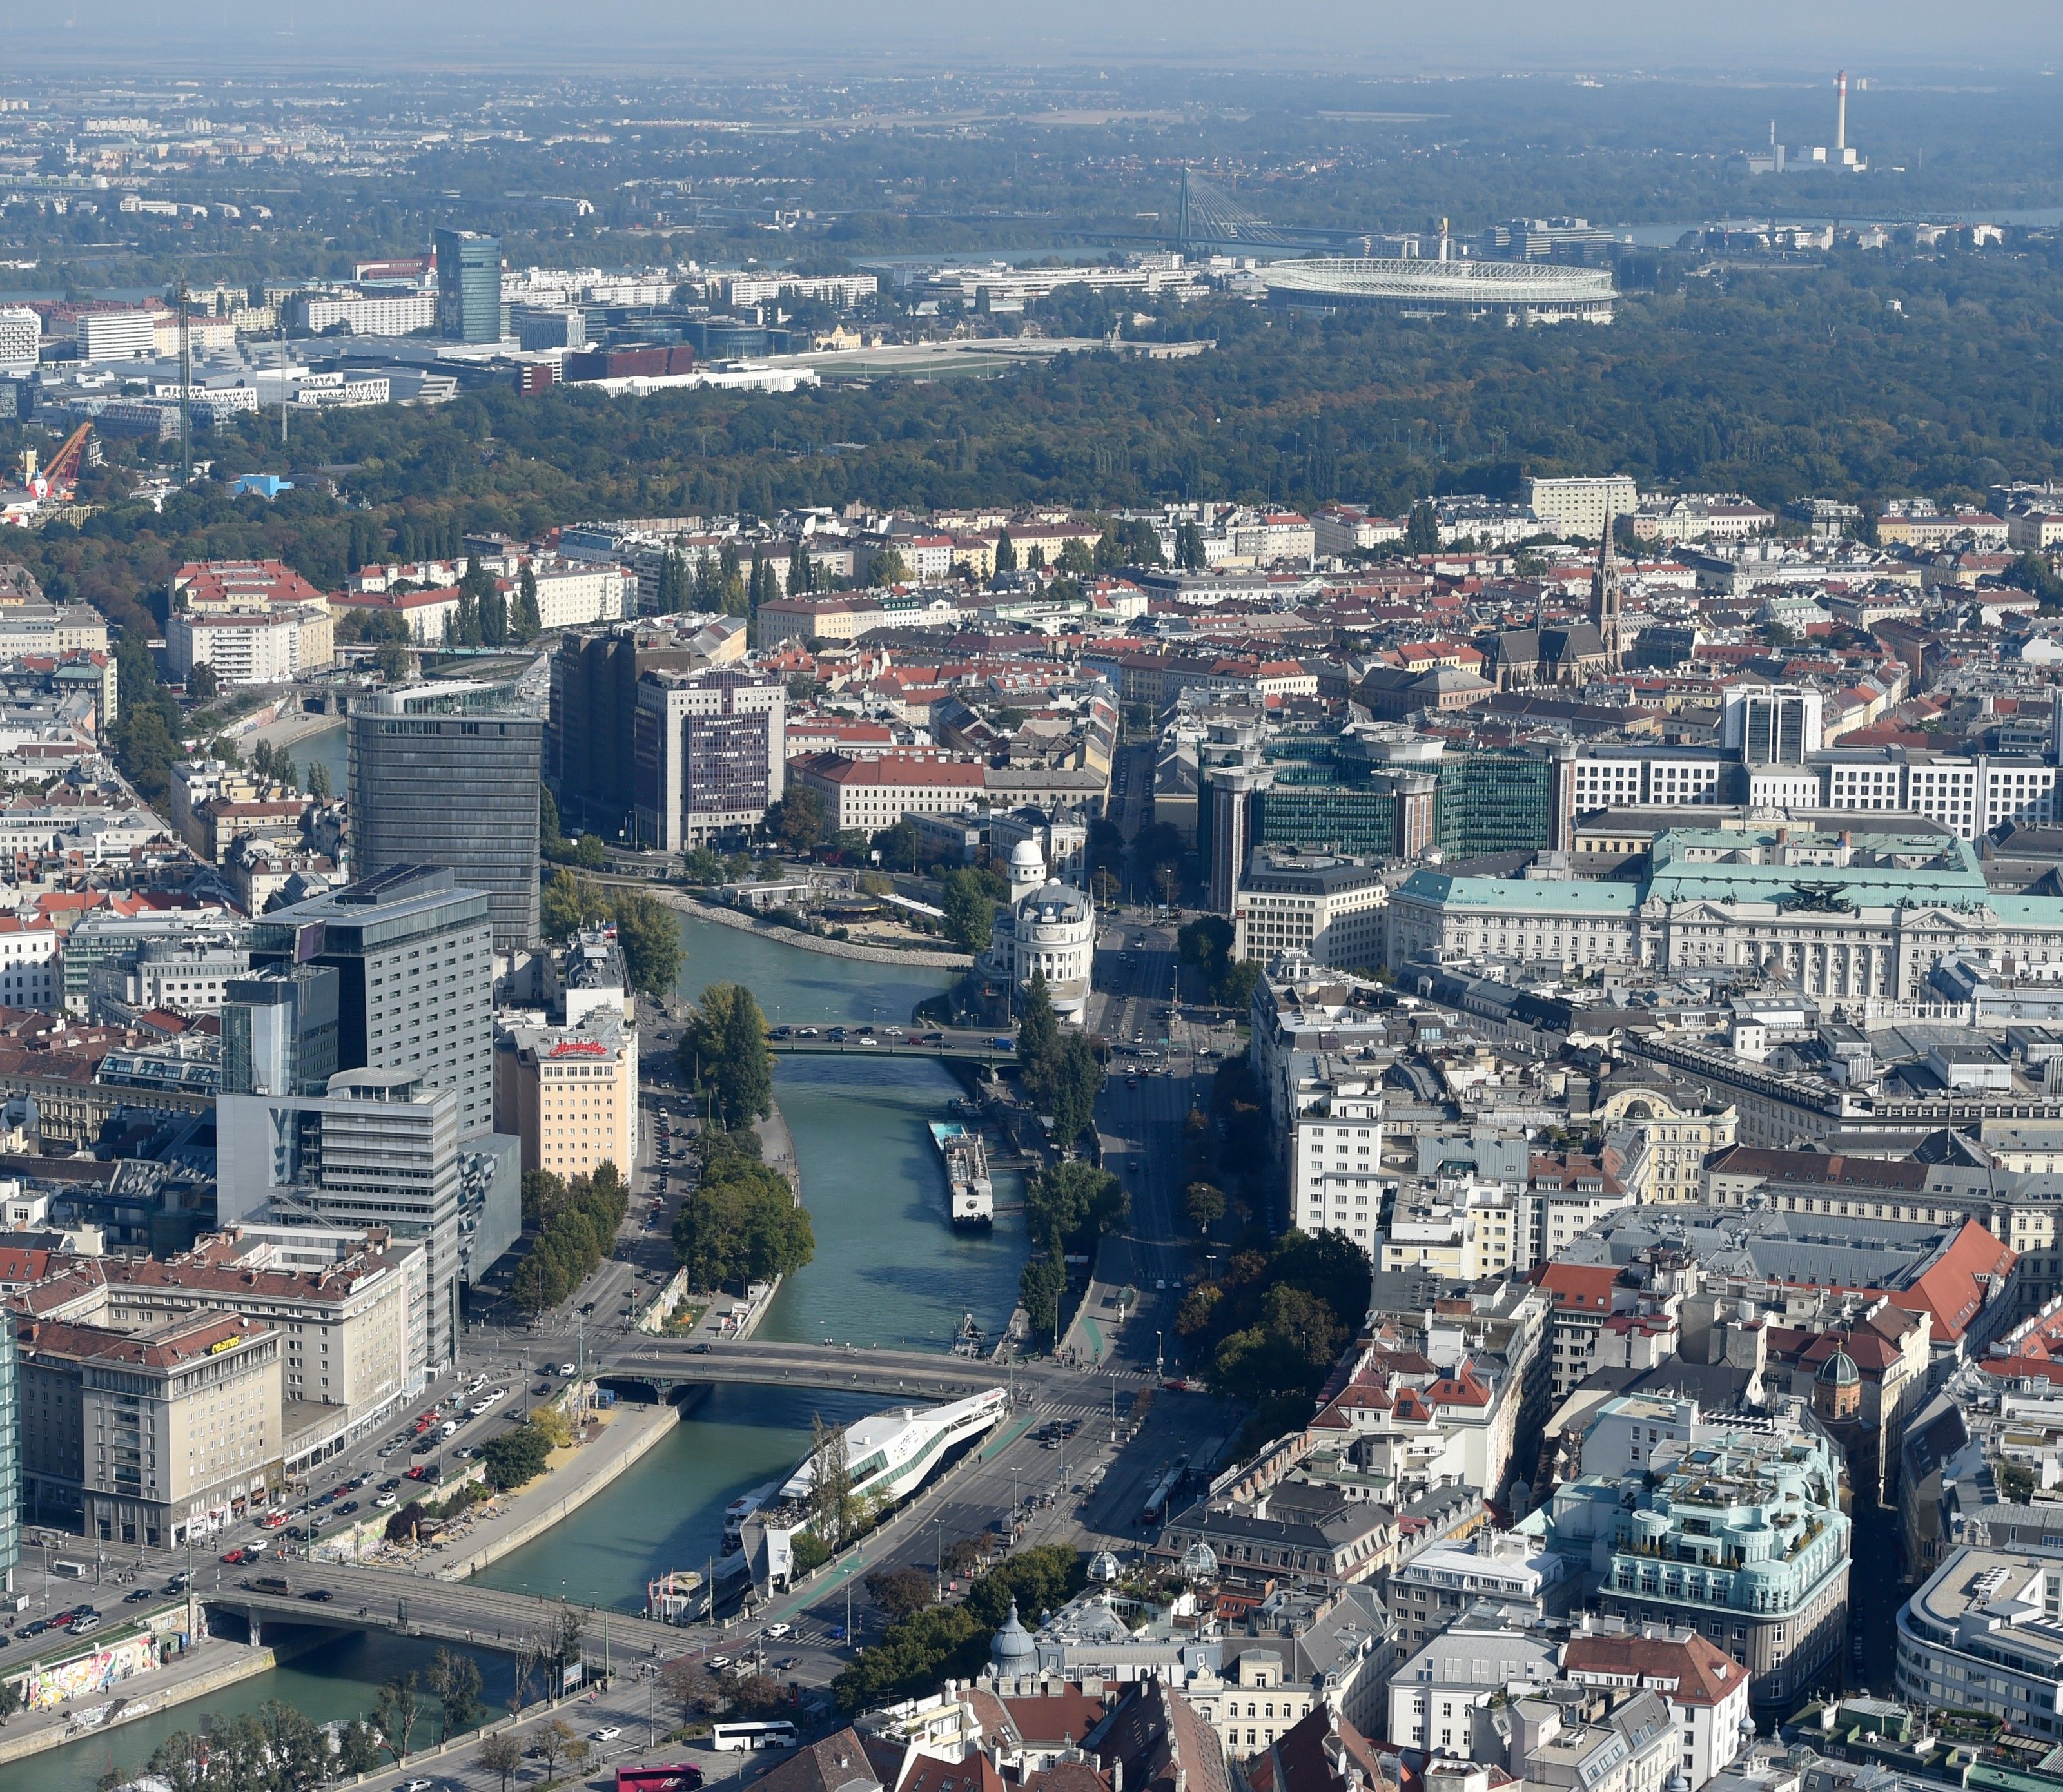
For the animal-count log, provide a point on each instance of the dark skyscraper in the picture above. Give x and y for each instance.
(468, 286)
(447, 774)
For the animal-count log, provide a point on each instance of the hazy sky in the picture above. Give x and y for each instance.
(1901, 37)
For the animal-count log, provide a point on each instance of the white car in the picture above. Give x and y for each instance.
(568, 1370)
(607, 1734)
(416, 1785)
(383, 1502)
(777, 1631)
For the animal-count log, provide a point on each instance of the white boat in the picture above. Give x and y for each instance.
(971, 1194)
(678, 1597)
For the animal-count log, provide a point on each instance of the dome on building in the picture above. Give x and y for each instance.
(1839, 1370)
(1200, 1561)
(1103, 1567)
(1026, 854)
(1012, 1651)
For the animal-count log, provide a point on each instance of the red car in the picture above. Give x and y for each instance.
(234, 1558)
(272, 1520)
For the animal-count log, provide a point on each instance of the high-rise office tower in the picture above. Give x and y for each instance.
(709, 753)
(10, 1460)
(468, 286)
(447, 773)
(413, 954)
(278, 1031)
(376, 1147)
(590, 749)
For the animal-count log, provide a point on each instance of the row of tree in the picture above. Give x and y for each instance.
(1062, 1072)
(741, 1222)
(278, 1748)
(941, 1642)
(1068, 1207)
(1778, 385)
(576, 1223)
(723, 1057)
(1207, 943)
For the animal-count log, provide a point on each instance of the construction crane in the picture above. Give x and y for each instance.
(61, 473)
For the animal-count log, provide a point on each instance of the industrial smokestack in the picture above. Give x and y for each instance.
(1840, 112)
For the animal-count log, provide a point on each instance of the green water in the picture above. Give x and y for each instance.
(329, 746)
(336, 1679)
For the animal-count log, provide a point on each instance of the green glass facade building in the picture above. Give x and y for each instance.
(468, 286)
(1327, 796)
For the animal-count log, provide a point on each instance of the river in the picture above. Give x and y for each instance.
(889, 1269)
(337, 1679)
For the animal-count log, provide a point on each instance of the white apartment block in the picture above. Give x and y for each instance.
(126, 335)
(1330, 909)
(28, 964)
(1578, 507)
(1336, 1161)
(878, 792)
(243, 647)
(1640, 778)
(844, 290)
(364, 314)
(1969, 796)
(20, 338)
(570, 596)
(1340, 529)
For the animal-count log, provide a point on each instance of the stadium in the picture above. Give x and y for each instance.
(1525, 292)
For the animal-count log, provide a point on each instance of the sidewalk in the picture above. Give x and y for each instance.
(626, 1434)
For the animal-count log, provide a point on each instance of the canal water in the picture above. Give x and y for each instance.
(338, 1679)
(889, 1270)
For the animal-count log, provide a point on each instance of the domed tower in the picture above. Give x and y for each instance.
(1012, 1655)
(1837, 1390)
(1028, 869)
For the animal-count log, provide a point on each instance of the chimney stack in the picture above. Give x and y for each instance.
(1840, 112)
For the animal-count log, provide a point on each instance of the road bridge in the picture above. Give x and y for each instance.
(963, 1046)
(369, 1598)
(665, 1363)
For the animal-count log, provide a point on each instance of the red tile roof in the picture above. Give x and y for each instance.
(1687, 1668)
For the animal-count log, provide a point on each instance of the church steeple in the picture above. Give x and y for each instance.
(1604, 596)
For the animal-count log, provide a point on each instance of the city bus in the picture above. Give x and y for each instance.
(756, 1734)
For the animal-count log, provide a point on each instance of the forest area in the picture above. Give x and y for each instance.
(1870, 377)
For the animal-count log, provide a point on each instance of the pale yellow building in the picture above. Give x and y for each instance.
(570, 1093)
(1667, 1162)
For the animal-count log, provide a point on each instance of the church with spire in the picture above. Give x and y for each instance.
(1564, 652)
